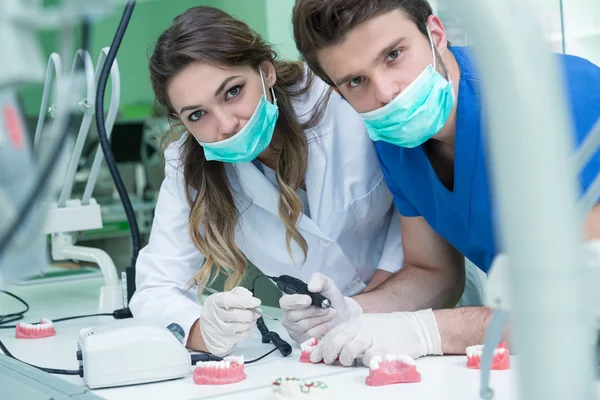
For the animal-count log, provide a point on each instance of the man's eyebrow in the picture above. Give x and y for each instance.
(383, 53)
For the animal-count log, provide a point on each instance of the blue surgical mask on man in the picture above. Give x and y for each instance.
(252, 139)
(417, 113)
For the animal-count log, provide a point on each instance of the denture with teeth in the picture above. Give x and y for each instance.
(307, 348)
(392, 369)
(501, 360)
(35, 331)
(229, 370)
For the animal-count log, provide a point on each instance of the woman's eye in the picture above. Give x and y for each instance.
(195, 116)
(394, 54)
(355, 82)
(234, 91)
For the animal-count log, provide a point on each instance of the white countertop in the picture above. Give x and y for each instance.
(442, 377)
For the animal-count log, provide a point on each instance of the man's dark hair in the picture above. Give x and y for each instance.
(322, 23)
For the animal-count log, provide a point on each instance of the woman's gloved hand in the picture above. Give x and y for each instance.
(304, 321)
(227, 318)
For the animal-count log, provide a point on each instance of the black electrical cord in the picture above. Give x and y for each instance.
(103, 137)
(205, 357)
(257, 278)
(2, 326)
(269, 336)
(261, 357)
(7, 318)
(48, 370)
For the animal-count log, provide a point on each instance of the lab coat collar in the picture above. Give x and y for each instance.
(261, 192)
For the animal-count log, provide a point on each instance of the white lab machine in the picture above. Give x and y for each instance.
(130, 352)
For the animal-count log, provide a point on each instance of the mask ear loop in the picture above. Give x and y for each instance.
(435, 58)
(262, 80)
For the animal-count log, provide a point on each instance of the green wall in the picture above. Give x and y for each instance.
(271, 18)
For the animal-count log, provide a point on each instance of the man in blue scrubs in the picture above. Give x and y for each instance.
(420, 99)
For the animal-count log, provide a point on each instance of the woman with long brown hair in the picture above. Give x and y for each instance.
(264, 165)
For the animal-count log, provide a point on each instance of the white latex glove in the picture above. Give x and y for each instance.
(227, 318)
(414, 334)
(304, 321)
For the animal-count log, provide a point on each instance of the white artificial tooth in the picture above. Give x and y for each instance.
(374, 364)
(501, 351)
(46, 321)
(227, 364)
(390, 357)
(406, 360)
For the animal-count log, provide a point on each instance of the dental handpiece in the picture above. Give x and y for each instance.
(290, 285)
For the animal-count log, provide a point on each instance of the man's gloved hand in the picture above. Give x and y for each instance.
(304, 321)
(227, 318)
(414, 334)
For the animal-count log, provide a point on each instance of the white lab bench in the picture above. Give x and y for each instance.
(442, 377)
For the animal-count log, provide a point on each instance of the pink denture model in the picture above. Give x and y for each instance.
(307, 348)
(392, 369)
(37, 331)
(501, 360)
(230, 370)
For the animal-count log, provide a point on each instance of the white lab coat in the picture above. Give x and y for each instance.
(352, 231)
(353, 228)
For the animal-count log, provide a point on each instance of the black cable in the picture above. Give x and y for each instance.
(5, 319)
(260, 276)
(204, 357)
(269, 336)
(261, 357)
(48, 370)
(103, 137)
(284, 347)
(117, 314)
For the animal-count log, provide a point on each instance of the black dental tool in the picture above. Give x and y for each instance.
(290, 285)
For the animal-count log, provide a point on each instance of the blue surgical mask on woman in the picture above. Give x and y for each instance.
(417, 113)
(252, 139)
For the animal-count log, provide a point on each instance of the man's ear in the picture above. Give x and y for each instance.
(269, 73)
(438, 33)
